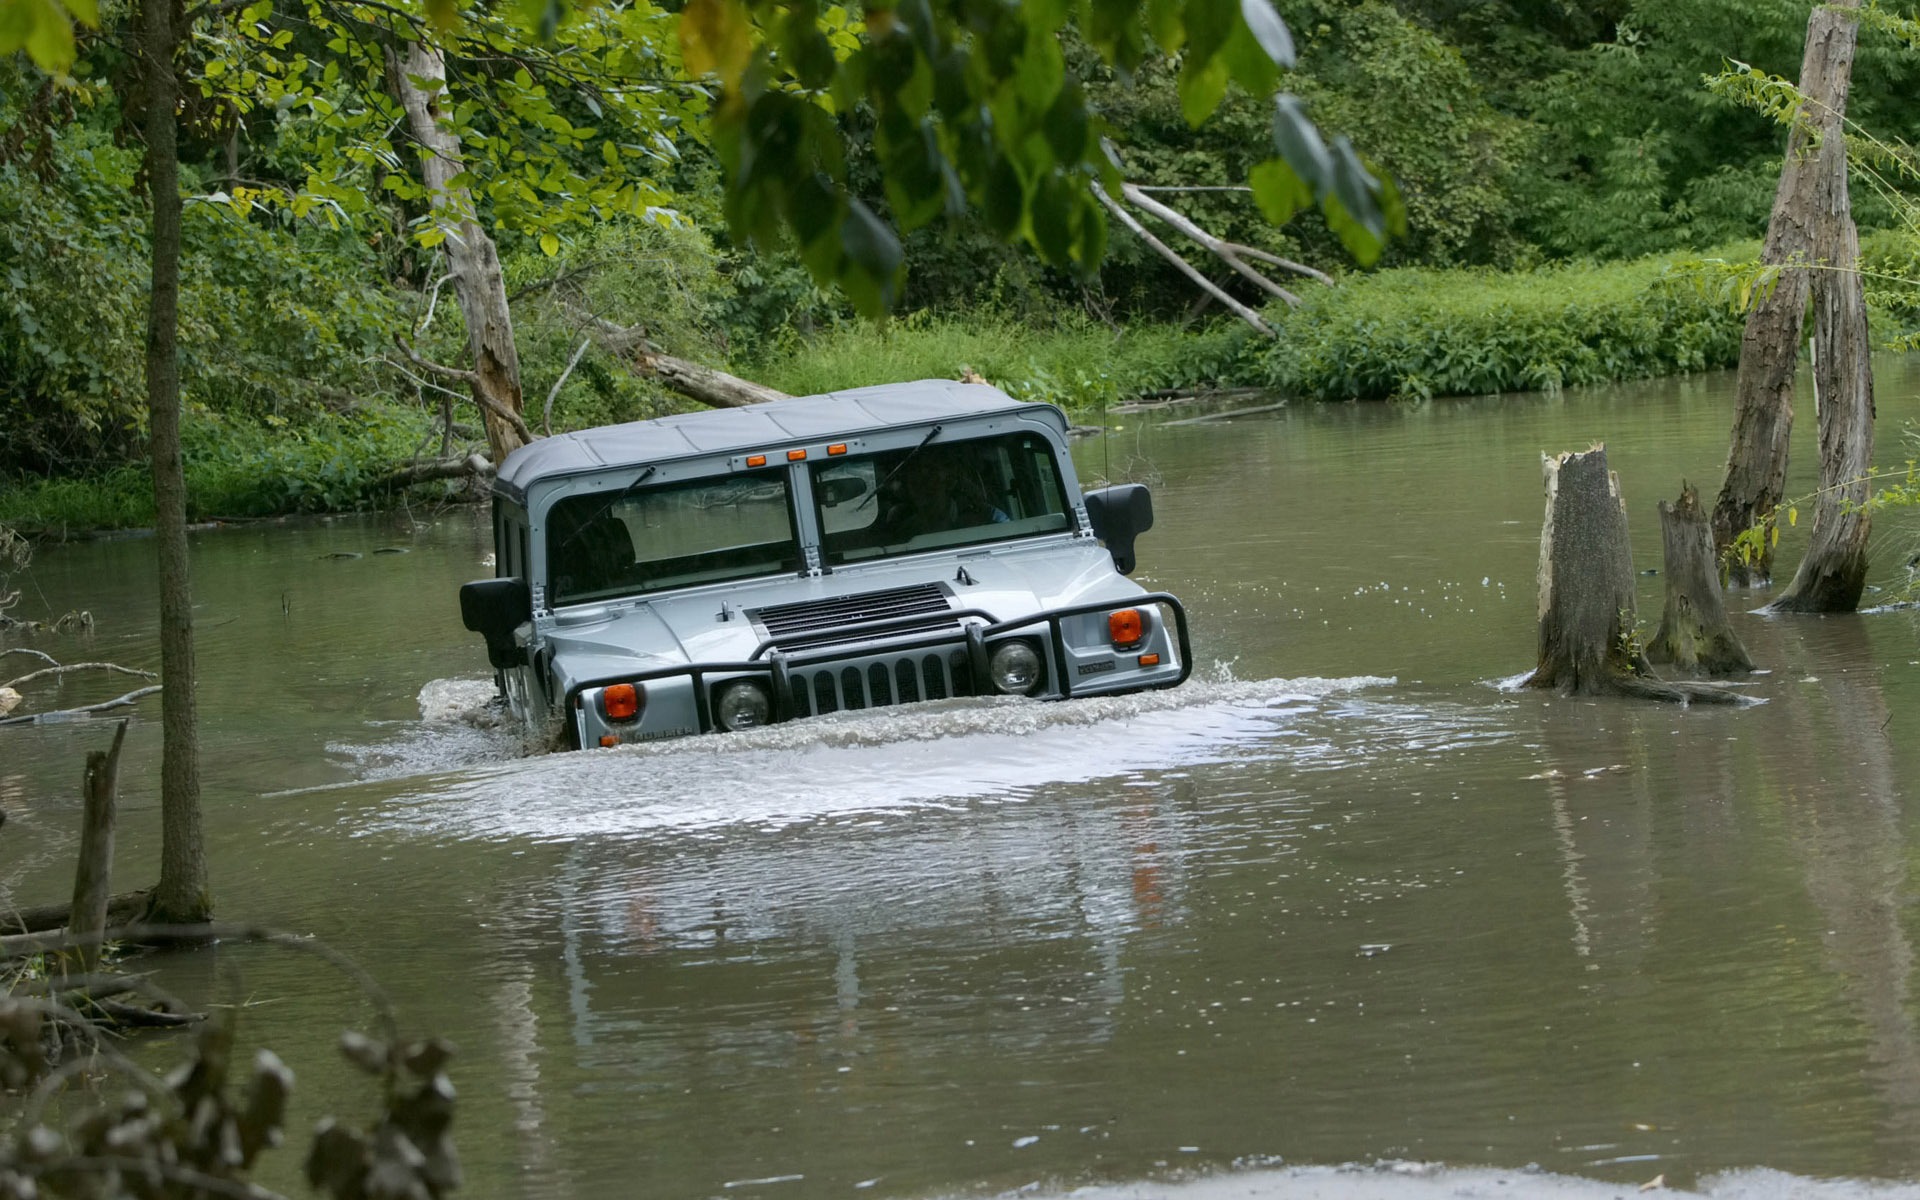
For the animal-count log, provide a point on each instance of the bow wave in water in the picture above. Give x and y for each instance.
(1430, 1181)
(940, 754)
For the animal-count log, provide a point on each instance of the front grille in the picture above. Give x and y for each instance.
(920, 675)
(791, 624)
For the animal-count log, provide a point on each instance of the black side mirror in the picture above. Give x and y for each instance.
(1119, 514)
(494, 608)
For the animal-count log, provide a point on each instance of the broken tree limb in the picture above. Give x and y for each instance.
(93, 875)
(474, 465)
(546, 413)
(484, 388)
(1587, 640)
(1694, 636)
(1180, 264)
(1227, 252)
(631, 345)
(85, 709)
(51, 672)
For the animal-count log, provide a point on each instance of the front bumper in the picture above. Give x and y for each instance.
(899, 661)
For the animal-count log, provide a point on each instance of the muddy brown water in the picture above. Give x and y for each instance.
(1339, 900)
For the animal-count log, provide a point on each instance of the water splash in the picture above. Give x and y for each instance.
(937, 754)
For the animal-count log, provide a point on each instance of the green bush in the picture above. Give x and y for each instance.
(238, 468)
(1076, 364)
(1430, 333)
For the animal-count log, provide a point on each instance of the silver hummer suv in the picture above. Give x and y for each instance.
(730, 568)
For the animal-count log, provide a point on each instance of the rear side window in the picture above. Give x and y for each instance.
(606, 544)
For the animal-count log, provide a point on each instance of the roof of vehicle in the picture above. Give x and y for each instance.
(754, 427)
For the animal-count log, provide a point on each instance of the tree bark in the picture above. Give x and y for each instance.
(1770, 345)
(1694, 635)
(182, 896)
(716, 389)
(93, 876)
(1834, 572)
(1586, 635)
(472, 259)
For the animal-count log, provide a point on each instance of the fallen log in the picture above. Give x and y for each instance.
(1694, 637)
(474, 466)
(1588, 644)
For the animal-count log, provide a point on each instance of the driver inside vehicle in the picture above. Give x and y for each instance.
(938, 490)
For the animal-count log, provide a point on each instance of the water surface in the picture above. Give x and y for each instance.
(1341, 899)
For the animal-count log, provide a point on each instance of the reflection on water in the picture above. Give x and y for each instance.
(1343, 900)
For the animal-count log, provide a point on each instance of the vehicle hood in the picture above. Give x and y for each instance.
(1007, 583)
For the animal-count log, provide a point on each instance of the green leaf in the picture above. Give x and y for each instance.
(1269, 30)
(716, 39)
(549, 244)
(1278, 191)
(1201, 89)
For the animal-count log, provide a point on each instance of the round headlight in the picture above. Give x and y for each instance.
(1015, 668)
(742, 704)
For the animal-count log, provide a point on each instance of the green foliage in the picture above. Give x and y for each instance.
(238, 468)
(1075, 363)
(271, 320)
(972, 105)
(1417, 332)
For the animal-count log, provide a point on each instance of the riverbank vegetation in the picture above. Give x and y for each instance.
(1569, 186)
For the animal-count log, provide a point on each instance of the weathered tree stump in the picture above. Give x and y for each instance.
(1694, 637)
(1587, 641)
(93, 877)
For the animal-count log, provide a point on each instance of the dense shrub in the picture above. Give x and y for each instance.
(1423, 333)
(272, 320)
(237, 467)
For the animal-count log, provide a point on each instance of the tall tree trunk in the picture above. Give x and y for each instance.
(471, 257)
(182, 896)
(1770, 346)
(1834, 572)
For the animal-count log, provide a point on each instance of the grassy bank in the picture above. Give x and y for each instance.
(1416, 333)
(235, 469)
(1395, 333)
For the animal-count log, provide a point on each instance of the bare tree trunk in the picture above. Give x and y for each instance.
(1770, 346)
(1694, 634)
(1834, 572)
(1587, 640)
(182, 896)
(471, 257)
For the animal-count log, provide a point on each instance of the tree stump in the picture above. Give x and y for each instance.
(93, 877)
(1588, 645)
(1694, 636)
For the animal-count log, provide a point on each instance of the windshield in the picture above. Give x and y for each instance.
(604, 544)
(938, 495)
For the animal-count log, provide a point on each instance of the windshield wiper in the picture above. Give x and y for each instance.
(905, 459)
(618, 496)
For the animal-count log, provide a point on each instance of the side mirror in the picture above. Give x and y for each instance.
(1119, 514)
(494, 608)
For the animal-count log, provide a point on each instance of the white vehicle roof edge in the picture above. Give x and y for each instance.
(775, 425)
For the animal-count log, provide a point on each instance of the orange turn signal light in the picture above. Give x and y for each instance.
(608, 741)
(620, 701)
(1149, 660)
(837, 448)
(796, 455)
(1126, 627)
(756, 460)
